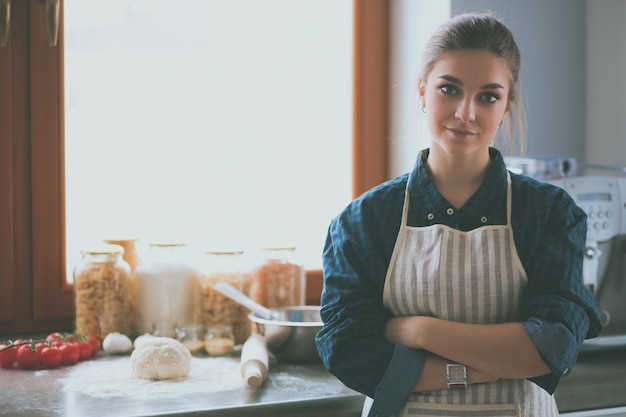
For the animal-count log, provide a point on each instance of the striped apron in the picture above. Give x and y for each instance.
(469, 277)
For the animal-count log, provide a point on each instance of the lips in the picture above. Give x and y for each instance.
(461, 131)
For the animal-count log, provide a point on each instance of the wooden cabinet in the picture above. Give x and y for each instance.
(33, 294)
(6, 189)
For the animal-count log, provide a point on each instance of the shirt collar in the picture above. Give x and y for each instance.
(493, 189)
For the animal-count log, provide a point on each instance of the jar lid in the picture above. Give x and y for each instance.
(219, 252)
(103, 250)
(115, 240)
(167, 244)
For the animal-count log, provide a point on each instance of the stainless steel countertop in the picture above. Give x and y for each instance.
(597, 381)
(303, 390)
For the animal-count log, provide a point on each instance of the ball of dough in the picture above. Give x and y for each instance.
(160, 358)
(143, 339)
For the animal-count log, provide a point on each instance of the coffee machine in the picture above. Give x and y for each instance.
(603, 198)
(601, 192)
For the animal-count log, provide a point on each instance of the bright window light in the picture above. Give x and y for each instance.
(222, 124)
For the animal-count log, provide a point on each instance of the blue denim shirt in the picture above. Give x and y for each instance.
(557, 311)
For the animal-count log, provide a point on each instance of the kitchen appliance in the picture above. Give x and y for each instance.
(543, 168)
(603, 198)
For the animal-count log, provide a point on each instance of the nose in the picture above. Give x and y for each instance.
(465, 111)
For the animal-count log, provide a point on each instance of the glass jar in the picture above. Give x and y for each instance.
(278, 279)
(192, 336)
(166, 283)
(130, 251)
(132, 258)
(214, 307)
(102, 293)
(219, 340)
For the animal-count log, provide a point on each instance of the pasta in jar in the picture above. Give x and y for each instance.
(278, 280)
(102, 293)
(216, 308)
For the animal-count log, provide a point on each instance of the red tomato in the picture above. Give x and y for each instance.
(70, 354)
(7, 356)
(50, 357)
(95, 345)
(27, 357)
(85, 349)
(54, 336)
(39, 346)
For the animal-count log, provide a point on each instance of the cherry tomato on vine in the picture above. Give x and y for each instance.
(50, 356)
(54, 336)
(70, 354)
(7, 356)
(95, 344)
(85, 349)
(27, 357)
(39, 346)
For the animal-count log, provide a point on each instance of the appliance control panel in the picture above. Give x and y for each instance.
(603, 198)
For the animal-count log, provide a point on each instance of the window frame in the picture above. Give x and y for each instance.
(34, 294)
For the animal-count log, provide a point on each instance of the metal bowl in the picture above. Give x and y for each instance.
(290, 335)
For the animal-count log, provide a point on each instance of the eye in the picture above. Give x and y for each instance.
(489, 97)
(448, 89)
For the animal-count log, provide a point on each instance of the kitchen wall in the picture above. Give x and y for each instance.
(574, 65)
(606, 82)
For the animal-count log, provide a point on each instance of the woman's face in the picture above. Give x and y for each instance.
(465, 97)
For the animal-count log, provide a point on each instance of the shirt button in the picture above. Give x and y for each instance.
(430, 216)
(450, 211)
(483, 219)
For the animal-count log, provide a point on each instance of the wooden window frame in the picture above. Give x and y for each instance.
(34, 294)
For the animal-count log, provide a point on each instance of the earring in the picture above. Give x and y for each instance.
(423, 109)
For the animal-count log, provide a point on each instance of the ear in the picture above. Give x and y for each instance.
(421, 91)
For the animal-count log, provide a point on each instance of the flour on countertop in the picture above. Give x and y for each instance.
(113, 378)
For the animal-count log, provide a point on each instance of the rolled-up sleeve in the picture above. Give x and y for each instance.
(351, 342)
(558, 312)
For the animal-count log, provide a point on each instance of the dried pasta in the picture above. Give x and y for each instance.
(278, 284)
(216, 308)
(101, 298)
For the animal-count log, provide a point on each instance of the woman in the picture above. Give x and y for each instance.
(456, 289)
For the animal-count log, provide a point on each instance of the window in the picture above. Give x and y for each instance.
(34, 293)
(223, 124)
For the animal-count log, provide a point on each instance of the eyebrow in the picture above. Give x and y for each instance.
(459, 82)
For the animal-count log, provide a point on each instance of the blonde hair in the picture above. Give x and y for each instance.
(484, 32)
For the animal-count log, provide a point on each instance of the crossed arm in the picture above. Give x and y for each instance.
(490, 351)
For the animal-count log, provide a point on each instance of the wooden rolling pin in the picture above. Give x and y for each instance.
(254, 361)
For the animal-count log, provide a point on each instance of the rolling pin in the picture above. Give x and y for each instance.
(254, 361)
